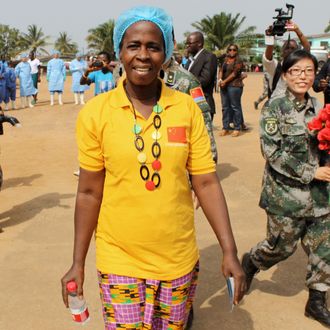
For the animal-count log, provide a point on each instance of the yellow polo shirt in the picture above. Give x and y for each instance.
(141, 233)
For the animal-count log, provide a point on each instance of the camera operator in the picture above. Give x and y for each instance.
(273, 66)
(99, 73)
(322, 81)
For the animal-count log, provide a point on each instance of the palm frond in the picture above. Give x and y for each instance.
(222, 29)
(101, 37)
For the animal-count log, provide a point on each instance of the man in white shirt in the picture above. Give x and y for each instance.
(35, 71)
(271, 65)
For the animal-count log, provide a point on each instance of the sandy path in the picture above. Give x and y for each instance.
(36, 212)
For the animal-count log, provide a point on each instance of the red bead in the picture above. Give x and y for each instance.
(156, 165)
(150, 186)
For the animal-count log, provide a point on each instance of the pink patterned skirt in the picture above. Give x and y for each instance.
(133, 303)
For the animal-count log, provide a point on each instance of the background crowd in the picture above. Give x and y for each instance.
(225, 74)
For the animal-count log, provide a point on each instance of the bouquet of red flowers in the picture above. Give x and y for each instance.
(321, 124)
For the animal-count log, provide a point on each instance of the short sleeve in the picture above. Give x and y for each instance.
(89, 144)
(238, 67)
(200, 157)
(91, 76)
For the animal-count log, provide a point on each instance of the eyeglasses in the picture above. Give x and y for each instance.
(296, 72)
(232, 50)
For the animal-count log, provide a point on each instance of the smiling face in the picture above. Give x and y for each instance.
(300, 77)
(142, 53)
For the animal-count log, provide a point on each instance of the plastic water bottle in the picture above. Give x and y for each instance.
(78, 307)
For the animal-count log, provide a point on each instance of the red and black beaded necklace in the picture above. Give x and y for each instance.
(151, 181)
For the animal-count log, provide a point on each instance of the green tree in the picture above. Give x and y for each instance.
(34, 39)
(10, 41)
(327, 29)
(65, 45)
(101, 37)
(223, 29)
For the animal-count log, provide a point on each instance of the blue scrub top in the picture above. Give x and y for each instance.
(77, 68)
(10, 78)
(103, 82)
(2, 73)
(23, 72)
(2, 82)
(56, 74)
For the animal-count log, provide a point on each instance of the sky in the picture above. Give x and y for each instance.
(76, 17)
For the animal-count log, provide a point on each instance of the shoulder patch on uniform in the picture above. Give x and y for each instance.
(170, 78)
(197, 94)
(271, 126)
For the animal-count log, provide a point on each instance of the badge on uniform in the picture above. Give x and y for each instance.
(170, 79)
(271, 126)
(197, 94)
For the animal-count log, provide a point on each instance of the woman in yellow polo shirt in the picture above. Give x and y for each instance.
(136, 144)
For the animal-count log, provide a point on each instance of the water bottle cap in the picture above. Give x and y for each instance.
(72, 286)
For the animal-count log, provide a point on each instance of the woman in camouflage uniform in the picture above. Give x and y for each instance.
(295, 190)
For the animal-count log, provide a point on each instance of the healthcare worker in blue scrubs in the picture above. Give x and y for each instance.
(27, 89)
(2, 82)
(56, 74)
(77, 68)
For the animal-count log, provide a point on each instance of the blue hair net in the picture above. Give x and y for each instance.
(55, 52)
(79, 54)
(145, 13)
(23, 55)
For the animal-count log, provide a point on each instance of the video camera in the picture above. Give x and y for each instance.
(97, 64)
(279, 26)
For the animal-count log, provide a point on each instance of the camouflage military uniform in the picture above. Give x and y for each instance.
(182, 80)
(297, 206)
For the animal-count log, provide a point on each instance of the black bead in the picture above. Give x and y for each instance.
(139, 143)
(156, 150)
(144, 172)
(157, 177)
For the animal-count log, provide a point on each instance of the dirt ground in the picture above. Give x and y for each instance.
(36, 214)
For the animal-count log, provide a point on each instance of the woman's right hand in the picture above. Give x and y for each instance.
(322, 173)
(222, 84)
(75, 273)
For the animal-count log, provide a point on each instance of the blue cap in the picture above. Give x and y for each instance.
(24, 55)
(79, 54)
(145, 13)
(55, 52)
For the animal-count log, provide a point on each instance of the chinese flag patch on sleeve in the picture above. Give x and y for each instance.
(197, 94)
(176, 134)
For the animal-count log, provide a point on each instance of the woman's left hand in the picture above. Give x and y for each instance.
(232, 267)
(243, 75)
(291, 26)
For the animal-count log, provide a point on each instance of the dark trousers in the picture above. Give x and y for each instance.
(231, 107)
